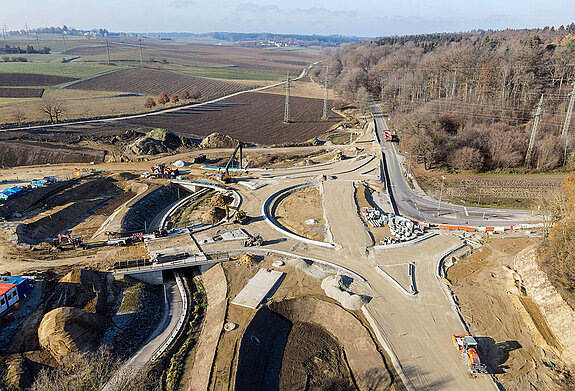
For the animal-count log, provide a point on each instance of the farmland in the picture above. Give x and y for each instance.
(152, 82)
(76, 71)
(21, 92)
(31, 79)
(250, 117)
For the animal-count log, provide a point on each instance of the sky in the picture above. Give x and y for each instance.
(362, 18)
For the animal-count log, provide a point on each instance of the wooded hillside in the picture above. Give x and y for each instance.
(467, 100)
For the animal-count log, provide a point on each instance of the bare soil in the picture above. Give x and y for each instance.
(480, 283)
(152, 82)
(294, 210)
(251, 117)
(21, 92)
(31, 79)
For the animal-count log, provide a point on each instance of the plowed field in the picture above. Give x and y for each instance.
(21, 92)
(30, 79)
(250, 117)
(153, 82)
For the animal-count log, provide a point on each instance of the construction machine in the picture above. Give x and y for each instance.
(76, 242)
(225, 176)
(254, 241)
(469, 349)
(238, 215)
(160, 233)
(339, 155)
(54, 246)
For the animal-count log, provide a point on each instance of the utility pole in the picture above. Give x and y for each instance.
(108, 51)
(287, 111)
(141, 58)
(5, 35)
(28, 33)
(64, 40)
(440, 196)
(37, 42)
(325, 93)
(569, 113)
(534, 131)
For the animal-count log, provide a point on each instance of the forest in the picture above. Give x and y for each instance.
(468, 101)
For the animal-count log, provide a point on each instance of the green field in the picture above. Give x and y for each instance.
(57, 69)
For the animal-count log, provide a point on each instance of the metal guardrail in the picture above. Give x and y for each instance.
(151, 266)
(181, 321)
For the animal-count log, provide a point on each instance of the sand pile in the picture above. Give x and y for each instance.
(334, 287)
(247, 260)
(213, 215)
(217, 140)
(69, 329)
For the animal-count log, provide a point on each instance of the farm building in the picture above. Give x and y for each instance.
(8, 296)
(22, 284)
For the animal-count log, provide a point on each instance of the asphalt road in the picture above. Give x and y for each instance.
(412, 205)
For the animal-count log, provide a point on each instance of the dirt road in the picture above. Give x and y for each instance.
(345, 224)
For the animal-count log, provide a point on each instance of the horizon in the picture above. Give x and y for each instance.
(360, 19)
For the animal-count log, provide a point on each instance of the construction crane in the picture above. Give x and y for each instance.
(238, 215)
(225, 175)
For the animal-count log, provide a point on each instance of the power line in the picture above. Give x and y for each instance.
(141, 57)
(569, 113)
(534, 131)
(287, 108)
(108, 51)
(325, 93)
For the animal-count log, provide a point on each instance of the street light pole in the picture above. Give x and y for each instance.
(440, 195)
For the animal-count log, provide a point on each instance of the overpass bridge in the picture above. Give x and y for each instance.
(151, 271)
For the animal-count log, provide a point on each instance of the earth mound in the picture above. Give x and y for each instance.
(247, 260)
(220, 200)
(217, 140)
(213, 215)
(69, 329)
(334, 287)
(159, 141)
(81, 288)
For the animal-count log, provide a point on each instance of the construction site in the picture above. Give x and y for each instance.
(226, 265)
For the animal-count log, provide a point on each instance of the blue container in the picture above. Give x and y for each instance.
(22, 284)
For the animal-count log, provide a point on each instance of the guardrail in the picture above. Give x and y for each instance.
(180, 263)
(270, 204)
(181, 320)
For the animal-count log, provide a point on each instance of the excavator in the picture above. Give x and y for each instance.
(225, 176)
(238, 215)
(76, 242)
(468, 347)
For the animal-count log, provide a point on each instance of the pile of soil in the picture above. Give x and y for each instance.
(247, 260)
(69, 329)
(314, 360)
(261, 352)
(159, 141)
(217, 140)
(334, 287)
(213, 215)
(220, 200)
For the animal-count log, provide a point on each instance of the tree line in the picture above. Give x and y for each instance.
(467, 100)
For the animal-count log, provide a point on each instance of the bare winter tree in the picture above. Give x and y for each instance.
(53, 108)
(18, 117)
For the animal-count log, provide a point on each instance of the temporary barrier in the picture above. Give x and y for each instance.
(76, 174)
